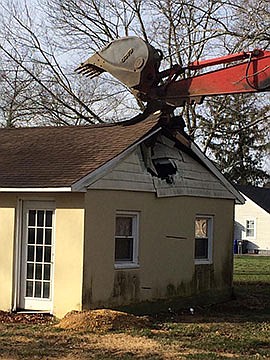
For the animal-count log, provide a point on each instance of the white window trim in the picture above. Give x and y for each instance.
(135, 227)
(247, 236)
(209, 259)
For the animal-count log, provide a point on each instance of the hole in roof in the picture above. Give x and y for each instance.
(165, 169)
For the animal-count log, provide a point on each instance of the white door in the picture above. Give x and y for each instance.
(37, 244)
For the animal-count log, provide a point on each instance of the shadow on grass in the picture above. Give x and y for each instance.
(238, 327)
(47, 342)
(250, 302)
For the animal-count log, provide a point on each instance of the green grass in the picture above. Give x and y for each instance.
(248, 268)
(239, 329)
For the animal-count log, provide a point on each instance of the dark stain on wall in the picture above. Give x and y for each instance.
(87, 296)
(183, 289)
(204, 278)
(226, 272)
(126, 287)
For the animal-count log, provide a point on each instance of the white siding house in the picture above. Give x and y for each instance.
(252, 220)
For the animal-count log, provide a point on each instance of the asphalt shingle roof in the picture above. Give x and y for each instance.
(60, 156)
(261, 196)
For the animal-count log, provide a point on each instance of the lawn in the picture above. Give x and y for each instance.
(239, 329)
(252, 268)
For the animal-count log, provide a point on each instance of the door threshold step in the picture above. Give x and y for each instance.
(33, 312)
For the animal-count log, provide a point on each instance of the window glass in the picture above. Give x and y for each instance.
(46, 290)
(250, 226)
(31, 217)
(201, 229)
(124, 249)
(39, 253)
(40, 218)
(126, 239)
(31, 236)
(48, 218)
(123, 226)
(48, 236)
(29, 288)
(203, 238)
(30, 253)
(201, 248)
(39, 235)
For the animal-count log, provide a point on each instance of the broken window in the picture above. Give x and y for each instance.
(161, 167)
(165, 169)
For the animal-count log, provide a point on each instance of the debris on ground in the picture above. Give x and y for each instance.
(25, 318)
(102, 320)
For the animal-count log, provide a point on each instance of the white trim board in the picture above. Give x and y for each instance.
(37, 189)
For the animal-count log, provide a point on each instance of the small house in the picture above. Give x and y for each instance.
(111, 215)
(252, 220)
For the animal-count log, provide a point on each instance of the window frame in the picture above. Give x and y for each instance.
(254, 228)
(134, 263)
(210, 231)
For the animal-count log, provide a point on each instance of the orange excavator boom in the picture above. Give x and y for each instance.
(136, 64)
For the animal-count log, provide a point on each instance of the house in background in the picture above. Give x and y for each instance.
(111, 215)
(252, 220)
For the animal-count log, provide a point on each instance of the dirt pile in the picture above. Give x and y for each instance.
(102, 320)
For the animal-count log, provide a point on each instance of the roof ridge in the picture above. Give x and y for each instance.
(61, 126)
(138, 118)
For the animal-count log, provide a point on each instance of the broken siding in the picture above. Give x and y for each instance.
(191, 179)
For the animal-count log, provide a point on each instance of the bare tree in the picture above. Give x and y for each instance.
(28, 46)
(60, 33)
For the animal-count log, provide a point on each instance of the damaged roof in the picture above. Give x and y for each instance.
(67, 158)
(61, 156)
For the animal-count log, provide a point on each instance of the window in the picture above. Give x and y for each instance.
(126, 239)
(203, 239)
(250, 228)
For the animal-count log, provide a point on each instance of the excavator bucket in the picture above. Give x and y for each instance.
(130, 60)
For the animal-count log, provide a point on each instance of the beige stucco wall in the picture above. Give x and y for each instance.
(84, 276)
(251, 211)
(166, 265)
(68, 251)
(68, 268)
(7, 229)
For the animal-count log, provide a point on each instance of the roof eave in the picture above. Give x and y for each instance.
(35, 189)
(239, 199)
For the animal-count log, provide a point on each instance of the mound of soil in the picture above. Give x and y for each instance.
(102, 320)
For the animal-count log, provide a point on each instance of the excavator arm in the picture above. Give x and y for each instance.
(251, 74)
(136, 64)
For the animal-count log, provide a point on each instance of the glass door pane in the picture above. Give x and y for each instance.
(38, 254)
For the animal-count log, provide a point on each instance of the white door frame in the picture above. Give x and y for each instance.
(20, 300)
